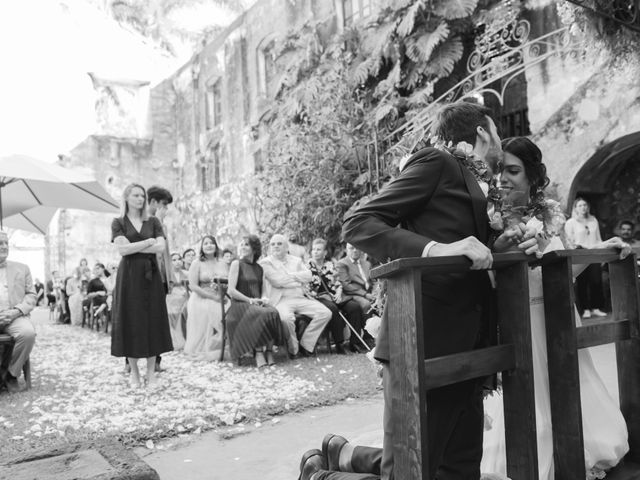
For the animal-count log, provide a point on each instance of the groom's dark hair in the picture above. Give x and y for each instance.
(457, 122)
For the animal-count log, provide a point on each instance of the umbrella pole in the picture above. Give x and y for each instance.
(1, 215)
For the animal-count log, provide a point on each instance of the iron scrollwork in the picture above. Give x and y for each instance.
(623, 12)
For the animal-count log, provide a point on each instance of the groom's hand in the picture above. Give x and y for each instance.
(470, 247)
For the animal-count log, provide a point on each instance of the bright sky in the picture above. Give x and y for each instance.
(47, 47)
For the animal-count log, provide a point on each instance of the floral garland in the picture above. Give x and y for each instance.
(508, 208)
(544, 209)
(463, 152)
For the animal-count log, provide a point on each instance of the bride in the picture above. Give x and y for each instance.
(604, 428)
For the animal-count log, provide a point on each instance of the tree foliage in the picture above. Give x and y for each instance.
(337, 96)
(154, 19)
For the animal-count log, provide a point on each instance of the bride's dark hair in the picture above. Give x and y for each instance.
(531, 157)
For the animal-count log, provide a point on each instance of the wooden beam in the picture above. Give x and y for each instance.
(455, 264)
(518, 386)
(564, 375)
(602, 333)
(409, 395)
(623, 279)
(441, 371)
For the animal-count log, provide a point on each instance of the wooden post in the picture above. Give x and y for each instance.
(564, 375)
(624, 300)
(519, 398)
(406, 344)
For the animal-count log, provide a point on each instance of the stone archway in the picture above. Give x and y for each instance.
(610, 181)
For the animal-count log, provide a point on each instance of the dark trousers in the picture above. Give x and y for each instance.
(352, 312)
(589, 288)
(455, 428)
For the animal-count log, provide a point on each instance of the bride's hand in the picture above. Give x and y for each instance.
(617, 242)
(510, 238)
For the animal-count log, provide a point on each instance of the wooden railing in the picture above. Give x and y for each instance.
(513, 357)
(564, 340)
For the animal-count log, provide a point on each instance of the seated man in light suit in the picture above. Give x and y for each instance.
(354, 275)
(17, 299)
(286, 278)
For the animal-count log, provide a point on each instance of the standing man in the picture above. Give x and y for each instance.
(441, 209)
(286, 278)
(626, 229)
(159, 200)
(17, 299)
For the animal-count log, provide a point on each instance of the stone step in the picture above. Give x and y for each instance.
(103, 460)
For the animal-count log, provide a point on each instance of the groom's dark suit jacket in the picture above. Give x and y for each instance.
(433, 198)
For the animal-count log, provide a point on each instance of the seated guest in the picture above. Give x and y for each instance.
(188, 256)
(17, 299)
(252, 324)
(325, 288)
(353, 273)
(204, 320)
(96, 289)
(39, 287)
(75, 294)
(177, 300)
(227, 256)
(286, 278)
(50, 289)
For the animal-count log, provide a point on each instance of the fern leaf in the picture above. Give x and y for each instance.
(452, 9)
(405, 27)
(444, 58)
(361, 72)
(384, 111)
(422, 96)
(420, 49)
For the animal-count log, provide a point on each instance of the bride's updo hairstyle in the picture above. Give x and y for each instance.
(531, 157)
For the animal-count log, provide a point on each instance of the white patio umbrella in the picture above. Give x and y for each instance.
(27, 185)
(36, 219)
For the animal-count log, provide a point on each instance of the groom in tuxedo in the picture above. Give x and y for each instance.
(441, 209)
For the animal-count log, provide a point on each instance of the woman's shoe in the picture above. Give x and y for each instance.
(269, 357)
(261, 361)
(598, 313)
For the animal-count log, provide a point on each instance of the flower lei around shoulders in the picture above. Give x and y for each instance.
(547, 211)
(508, 206)
(463, 152)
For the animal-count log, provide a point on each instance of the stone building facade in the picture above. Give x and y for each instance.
(197, 132)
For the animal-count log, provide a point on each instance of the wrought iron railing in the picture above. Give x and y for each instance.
(623, 12)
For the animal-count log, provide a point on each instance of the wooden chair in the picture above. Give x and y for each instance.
(416, 375)
(7, 342)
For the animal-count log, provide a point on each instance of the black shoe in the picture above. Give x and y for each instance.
(331, 448)
(340, 349)
(312, 462)
(12, 384)
(303, 353)
(369, 340)
(358, 348)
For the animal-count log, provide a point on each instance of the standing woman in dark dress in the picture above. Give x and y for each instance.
(252, 324)
(140, 321)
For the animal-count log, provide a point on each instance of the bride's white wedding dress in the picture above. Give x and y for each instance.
(604, 428)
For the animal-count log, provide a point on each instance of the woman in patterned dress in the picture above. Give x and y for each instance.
(253, 325)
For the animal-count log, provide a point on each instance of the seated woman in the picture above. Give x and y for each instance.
(252, 324)
(177, 300)
(204, 318)
(96, 290)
